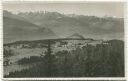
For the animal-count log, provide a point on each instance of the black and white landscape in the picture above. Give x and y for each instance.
(53, 44)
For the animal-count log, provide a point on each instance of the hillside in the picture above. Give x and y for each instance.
(67, 58)
(88, 26)
(15, 29)
(43, 25)
(76, 36)
(11, 15)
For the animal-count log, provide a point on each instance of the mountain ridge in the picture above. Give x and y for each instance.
(15, 29)
(66, 25)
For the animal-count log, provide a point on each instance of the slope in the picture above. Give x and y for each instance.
(15, 29)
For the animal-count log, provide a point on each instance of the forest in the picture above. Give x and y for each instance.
(102, 60)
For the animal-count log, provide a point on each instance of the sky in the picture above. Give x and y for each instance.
(100, 9)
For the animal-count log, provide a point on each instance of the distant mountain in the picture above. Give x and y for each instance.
(88, 26)
(15, 29)
(40, 17)
(76, 36)
(11, 15)
(45, 24)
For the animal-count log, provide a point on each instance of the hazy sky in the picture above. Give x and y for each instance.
(90, 8)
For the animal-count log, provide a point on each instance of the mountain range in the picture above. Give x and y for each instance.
(16, 28)
(43, 25)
